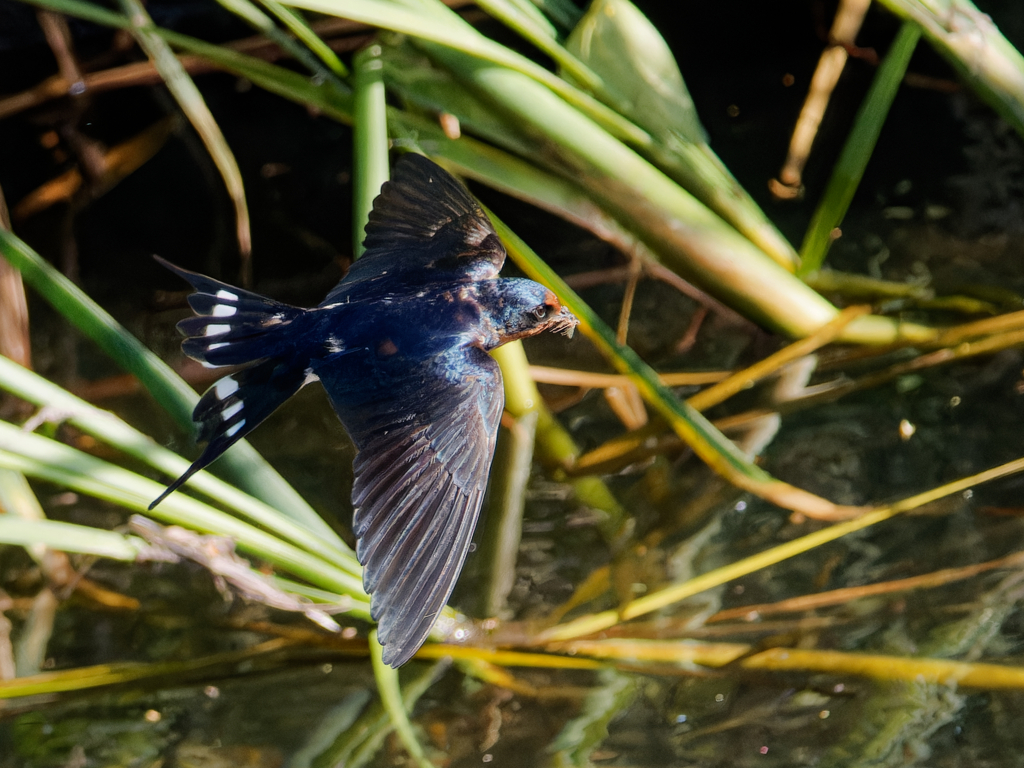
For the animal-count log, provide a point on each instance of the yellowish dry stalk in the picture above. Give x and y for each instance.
(845, 27)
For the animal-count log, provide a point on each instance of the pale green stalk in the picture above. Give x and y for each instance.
(372, 169)
(297, 25)
(370, 139)
(975, 47)
(258, 20)
(69, 537)
(502, 517)
(391, 697)
(554, 444)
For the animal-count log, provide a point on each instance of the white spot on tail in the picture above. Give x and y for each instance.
(232, 431)
(225, 388)
(227, 413)
(218, 345)
(216, 329)
(223, 310)
(227, 295)
(310, 377)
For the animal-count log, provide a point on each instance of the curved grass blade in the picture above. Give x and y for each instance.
(55, 462)
(298, 26)
(639, 71)
(357, 745)
(70, 537)
(562, 12)
(258, 20)
(546, 26)
(329, 99)
(108, 428)
(336, 722)
(610, 697)
(192, 104)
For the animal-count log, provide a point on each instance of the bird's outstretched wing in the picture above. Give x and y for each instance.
(425, 226)
(425, 449)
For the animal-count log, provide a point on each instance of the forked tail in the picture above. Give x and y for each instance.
(233, 327)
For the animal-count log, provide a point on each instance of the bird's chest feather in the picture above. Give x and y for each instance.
(374, 344)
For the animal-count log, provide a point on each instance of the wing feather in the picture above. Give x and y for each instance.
(424, 227)
(420, 477)
(421, 593)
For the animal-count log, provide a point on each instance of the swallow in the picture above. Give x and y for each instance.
(401, 347)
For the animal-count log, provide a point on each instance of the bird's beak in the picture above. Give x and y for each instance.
(564, 322)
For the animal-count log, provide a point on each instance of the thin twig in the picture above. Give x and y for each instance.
(841, 596)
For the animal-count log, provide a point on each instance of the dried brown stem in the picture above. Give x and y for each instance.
(848, 594)
(847, 22)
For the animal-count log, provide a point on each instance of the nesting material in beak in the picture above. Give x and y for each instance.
(564, 322)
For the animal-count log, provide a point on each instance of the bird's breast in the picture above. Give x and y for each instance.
(395, 331)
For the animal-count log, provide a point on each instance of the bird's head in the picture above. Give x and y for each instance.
(520, 308)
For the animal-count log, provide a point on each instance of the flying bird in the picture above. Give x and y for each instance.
(401, 347)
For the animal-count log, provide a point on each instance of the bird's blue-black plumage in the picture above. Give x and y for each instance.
(400, 346)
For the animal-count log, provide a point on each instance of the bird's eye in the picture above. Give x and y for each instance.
(541, 312)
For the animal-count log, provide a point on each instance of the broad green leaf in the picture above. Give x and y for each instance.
(637, 68)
